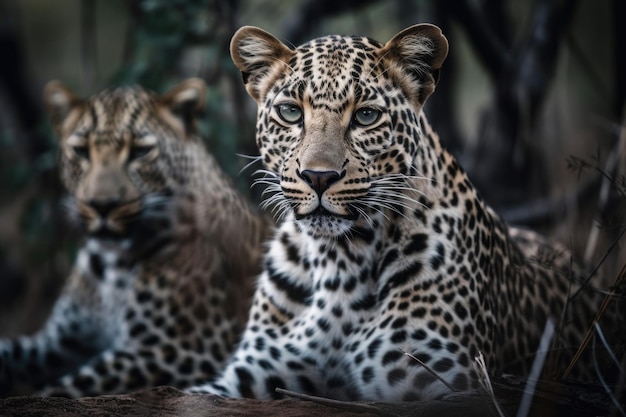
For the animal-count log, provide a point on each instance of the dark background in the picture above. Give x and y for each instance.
(531, 101)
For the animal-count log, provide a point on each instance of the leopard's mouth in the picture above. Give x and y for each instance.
(113, 223)
(106, 228)
(321, 212)
(106, 233)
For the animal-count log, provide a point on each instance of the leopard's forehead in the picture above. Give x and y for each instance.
(116, 108)
(115, 116)
(330, 68)
(333, 55)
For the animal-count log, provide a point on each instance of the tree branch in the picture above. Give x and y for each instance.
(536, 62)
(505, 134)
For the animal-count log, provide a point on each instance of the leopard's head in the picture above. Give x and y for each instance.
(122, 151)
(338, 124)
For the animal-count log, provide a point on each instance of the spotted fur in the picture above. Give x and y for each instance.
(159, 290)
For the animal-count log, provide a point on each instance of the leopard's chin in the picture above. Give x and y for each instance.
(324, 224)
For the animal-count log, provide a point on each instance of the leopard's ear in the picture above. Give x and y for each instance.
(258, 55)
(184, 102)
(418, 51)
(60, 102)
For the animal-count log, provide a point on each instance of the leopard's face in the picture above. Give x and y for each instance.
(122, 151)
(338, 121)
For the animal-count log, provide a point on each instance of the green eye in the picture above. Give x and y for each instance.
(290, 113)
(366, 116)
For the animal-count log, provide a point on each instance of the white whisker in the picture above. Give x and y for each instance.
(253, 160)
(388, 205)
(273, 199)
(366, 216)
(265, 172)
(376, 209)
(370, 204)
(376, 66)
(394, 193)
(269, 184)
(395, 199)
(390, 196)
(395, 178)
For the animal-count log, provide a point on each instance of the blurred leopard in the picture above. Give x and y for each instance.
(160, 288)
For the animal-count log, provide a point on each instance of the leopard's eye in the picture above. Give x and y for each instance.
(366, 116)
(290, 113)
(142, 145)
(139, 151)
(82, 151)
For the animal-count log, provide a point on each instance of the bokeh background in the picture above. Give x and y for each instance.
(531, 101)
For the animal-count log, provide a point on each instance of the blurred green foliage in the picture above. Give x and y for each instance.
(164, 28)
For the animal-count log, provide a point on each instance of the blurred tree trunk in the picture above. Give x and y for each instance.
(619, 13)
(506, 158)
(30, 192)
(239, 97)
(440, 106)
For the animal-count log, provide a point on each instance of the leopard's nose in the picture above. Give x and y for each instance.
(103, 207)
(320, 181)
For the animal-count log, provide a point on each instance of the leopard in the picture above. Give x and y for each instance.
(163, 277)
(389, 278)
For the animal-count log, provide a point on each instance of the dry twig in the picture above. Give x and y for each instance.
(485, 381)
(599, 314)
(347, 405)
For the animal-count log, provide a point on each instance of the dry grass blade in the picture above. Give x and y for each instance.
(485, 381)
(596, 319)
(605, 343)
(433, 373)
(347, 405)
(616, 403)
(535, 371)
